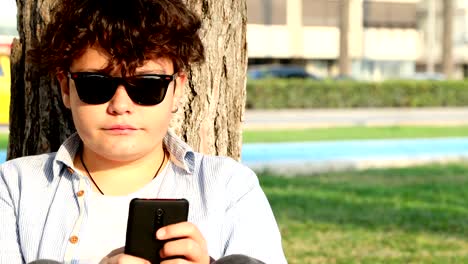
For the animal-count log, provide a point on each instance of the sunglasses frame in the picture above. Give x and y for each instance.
(126, 82)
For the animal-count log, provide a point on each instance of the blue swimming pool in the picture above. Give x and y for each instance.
(353, 149)
(314, 157)
(2, 155)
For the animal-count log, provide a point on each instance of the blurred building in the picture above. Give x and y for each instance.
(430, 24)
(387, 38)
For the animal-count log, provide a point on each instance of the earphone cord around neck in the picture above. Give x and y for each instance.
(97, 186)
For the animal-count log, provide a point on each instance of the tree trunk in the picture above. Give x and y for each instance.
(447, 39)
(215, 98)
(344, 60)
(210, 119)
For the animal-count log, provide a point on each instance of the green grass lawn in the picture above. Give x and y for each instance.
(412, 215)
(3, 140)
(357, 132)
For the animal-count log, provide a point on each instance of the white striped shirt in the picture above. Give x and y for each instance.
(43, 205)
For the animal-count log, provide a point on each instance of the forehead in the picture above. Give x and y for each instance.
(95, 58)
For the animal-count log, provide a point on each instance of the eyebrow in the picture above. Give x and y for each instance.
(155, 71)
(137, 73)
(102, 71)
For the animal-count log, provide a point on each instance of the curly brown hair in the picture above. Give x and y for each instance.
(131, 31)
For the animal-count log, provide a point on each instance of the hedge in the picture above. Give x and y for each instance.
(297, 93)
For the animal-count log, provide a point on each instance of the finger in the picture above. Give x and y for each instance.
(176, 261)
(123, 258)
(116, 252)
(181, 230)
(186, 247)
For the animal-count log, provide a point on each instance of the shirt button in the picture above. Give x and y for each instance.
(73, 239)
(80, 193)
(70, 170)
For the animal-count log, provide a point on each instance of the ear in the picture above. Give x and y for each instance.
(180, 81)
(64, 88)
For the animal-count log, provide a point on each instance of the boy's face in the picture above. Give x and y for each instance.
(120, 129)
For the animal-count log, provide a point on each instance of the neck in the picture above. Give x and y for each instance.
(120, 177)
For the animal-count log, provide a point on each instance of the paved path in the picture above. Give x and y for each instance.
(4, 128)
(303, 118)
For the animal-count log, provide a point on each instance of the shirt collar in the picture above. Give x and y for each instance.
(182, 155)
(67, 151)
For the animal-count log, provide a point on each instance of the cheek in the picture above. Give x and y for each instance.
(171, 98)
(74, 98)
(159, 118)
(82, 119)
(162, 116)
(82, 111)
(85, 116)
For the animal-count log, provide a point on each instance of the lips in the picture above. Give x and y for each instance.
(120, 128)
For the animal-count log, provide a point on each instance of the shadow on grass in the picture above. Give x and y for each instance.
(429, 199)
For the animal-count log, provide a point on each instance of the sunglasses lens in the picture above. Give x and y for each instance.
(148, 90)
(94, 88)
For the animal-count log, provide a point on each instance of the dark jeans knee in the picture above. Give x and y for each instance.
(238, 259)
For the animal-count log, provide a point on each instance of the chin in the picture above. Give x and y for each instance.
(122, 150)
(123, 157)
(118, 154)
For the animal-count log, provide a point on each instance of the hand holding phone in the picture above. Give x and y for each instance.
(185, 241)
(145, 217)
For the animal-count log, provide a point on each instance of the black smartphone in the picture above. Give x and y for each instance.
(145, 217)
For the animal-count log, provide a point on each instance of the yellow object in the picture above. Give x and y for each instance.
(4, 89)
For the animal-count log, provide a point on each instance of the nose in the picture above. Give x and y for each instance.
(120, 103)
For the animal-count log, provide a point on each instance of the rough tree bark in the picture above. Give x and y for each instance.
(209, 119)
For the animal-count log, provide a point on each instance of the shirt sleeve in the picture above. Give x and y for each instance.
(9, 242)
(250, 226)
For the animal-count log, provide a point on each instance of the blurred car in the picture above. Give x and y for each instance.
(428, 76)
(343, 77)
(279, 71)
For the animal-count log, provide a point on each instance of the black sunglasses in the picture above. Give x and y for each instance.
(96, 88)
